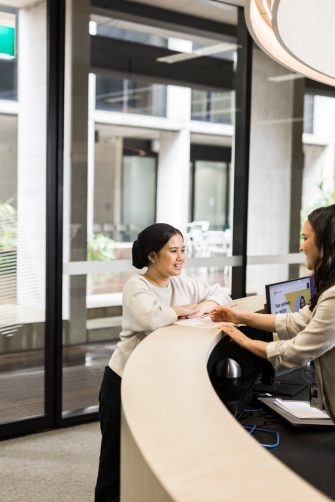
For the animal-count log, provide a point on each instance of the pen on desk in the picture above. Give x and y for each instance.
(230, 306)
(207, 315)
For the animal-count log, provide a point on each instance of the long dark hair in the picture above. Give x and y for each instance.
(152, 238)
(322, 221)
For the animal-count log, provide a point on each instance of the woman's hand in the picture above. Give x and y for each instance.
(226, 314)
(196, 310)
(203, 308)
(235, 334)
(257, 347)
(185, 311)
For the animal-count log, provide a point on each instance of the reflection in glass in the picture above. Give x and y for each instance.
(130, 32)
(211, 193)
(128, 96)
(138, 185)
(216, 107)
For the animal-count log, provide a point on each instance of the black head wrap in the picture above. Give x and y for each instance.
(152, 238)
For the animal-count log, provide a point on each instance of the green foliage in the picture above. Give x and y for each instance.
(326, 198)
(8, 227)
(8, 238)
(100, 248)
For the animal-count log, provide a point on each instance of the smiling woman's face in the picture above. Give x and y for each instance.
(308, 245)
(170, 259)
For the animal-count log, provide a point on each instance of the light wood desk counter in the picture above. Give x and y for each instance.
(179, 442)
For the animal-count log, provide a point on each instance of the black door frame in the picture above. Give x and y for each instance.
(55, 29)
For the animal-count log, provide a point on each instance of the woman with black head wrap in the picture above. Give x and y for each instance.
(156, 298)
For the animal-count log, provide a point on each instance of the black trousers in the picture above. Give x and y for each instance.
(108, 483)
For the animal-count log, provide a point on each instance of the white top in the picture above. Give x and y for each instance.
(305, 336)
(147, 307)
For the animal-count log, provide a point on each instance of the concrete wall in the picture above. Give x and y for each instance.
(273, 142)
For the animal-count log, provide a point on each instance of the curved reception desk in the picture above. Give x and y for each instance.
(179, 442)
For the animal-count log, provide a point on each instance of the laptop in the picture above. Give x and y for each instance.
(270, 402)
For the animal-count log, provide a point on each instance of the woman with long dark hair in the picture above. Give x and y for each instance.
(310, 333)
(156, 298)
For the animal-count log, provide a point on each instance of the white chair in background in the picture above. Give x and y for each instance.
(196, 236)
(216, 242)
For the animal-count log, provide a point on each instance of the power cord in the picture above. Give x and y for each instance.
(252, 428)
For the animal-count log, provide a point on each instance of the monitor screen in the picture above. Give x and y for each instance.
(289, 296)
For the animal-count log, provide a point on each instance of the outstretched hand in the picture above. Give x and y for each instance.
(225, 314)
(195, 310)
(184, 311)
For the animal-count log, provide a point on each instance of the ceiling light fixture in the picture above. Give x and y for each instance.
(269, 21)
(267, 8)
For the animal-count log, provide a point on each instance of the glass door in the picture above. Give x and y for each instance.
(23, 213)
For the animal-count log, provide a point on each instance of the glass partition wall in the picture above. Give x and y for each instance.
(158, 147)
(23, 94)
(158, 132)
(99, 148)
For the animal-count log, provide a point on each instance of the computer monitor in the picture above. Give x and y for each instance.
(281, 298)
(289, 296)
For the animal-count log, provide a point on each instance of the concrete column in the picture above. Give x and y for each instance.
(173, 183)
(275, 168)
(31, 158)
(173, 180)
(179, 98)
(107, 180)
(297, 166)
(76, 162)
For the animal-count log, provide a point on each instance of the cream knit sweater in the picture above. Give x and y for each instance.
(147, 307)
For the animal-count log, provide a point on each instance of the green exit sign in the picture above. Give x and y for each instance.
(7, 42)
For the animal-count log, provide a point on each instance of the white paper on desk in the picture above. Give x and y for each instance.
(300, 409)
(200, 322)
